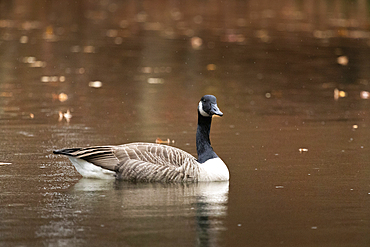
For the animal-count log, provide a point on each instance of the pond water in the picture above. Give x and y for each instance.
(291, 77)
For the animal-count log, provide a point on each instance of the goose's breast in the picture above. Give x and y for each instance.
(213, 170)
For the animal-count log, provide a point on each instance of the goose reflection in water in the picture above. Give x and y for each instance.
(165, 210)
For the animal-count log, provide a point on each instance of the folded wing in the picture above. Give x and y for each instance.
(140, 161)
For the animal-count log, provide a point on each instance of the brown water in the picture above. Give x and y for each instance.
(292, 78)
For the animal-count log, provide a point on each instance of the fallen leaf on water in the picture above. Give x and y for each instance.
(62, 97)
(49, 34)
(89, 49)
(342, 60)
(160, 141)
(23, 40)
(66, 115)
(95, 84)
(339, 94)
(155, 81)
(38, 64)
(4, 163)
(196, 42)
(60, 116)
(52, 78)
(211, 66)
(365, 95)
(6, 94)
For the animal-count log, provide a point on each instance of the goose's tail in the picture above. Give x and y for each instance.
(91, 162)
(67, 151)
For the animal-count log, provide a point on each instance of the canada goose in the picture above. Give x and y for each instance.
(149, 162)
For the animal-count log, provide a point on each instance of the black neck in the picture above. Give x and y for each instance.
(204, 149)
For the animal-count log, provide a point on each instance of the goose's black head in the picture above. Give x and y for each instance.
(208, 106)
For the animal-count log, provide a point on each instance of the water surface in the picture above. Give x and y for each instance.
(291, 78)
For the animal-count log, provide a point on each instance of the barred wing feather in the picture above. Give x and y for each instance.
(141, 161)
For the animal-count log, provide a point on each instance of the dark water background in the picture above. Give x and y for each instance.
(292, 78)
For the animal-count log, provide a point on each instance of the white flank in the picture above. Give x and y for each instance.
(89, 170)
(201, 111)
(213, 170)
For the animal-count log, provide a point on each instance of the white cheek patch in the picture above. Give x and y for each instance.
(201, 111)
